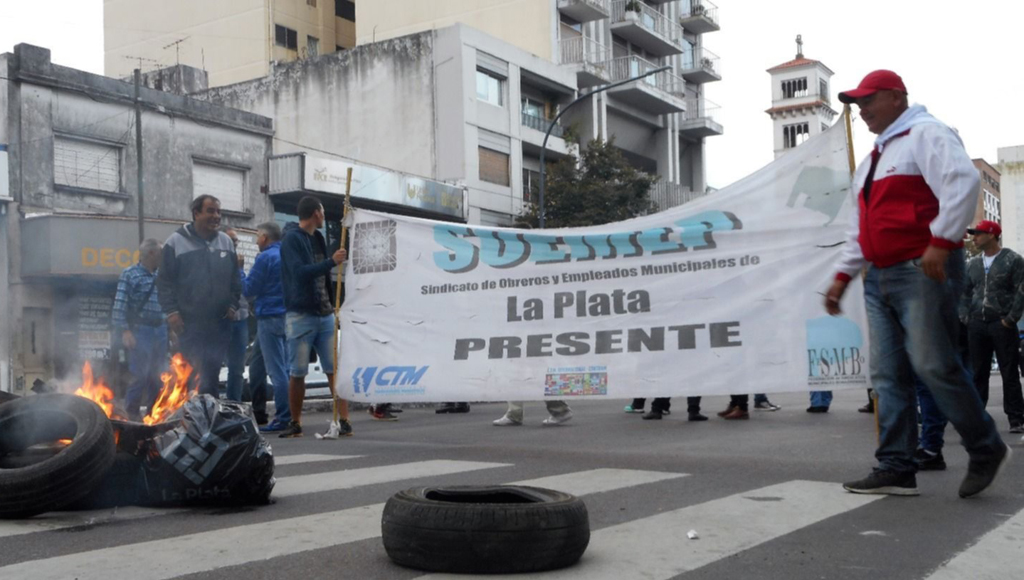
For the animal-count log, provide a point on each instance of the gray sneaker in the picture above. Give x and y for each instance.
(346, 428)
(506, 421)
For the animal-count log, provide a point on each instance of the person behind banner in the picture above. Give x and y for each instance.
(199, 288)
(137, 316)
(264, 283)
(917, 193)
(558, 414)
(309, 319)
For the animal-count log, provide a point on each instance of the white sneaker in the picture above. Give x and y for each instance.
(506, 421)
(558, 419)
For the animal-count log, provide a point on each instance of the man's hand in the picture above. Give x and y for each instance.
(339, 256)
(176, 324)
(1008, 324)
(128, 340)
(231, 313)
(933, 262)
(834, 295)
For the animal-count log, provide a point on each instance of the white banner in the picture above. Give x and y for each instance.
(722, 295)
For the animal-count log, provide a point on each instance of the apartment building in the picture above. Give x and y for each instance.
(659, 123)
(989, 200)
(233, 40)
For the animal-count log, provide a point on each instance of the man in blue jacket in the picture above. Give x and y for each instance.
(309, 319)
(199, 288)
(264, 284)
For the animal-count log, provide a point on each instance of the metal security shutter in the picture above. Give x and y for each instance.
(86, 164)
(224, 183)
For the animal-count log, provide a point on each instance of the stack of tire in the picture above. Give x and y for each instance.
(34, 483)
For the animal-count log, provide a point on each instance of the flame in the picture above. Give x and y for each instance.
(64, 441)
(175, 391)
(96, 391)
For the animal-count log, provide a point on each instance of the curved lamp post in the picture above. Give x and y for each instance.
(544, 145)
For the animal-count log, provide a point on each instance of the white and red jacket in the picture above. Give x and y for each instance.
(924, 192)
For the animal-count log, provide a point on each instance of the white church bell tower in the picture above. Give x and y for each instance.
(801, 101)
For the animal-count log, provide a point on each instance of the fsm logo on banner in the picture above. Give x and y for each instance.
(390, 380)
(834, 352)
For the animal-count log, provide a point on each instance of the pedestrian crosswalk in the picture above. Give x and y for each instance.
(651, 547)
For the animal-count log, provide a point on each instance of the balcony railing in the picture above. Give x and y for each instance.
(649, 18)
(700, 9)
(666, 194)
(700, 62)
(805, 95)
(583, 50)
(541, 124)
(625, 67)
(585, 10)
(701, 109)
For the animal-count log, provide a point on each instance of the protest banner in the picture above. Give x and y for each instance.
(722, 295)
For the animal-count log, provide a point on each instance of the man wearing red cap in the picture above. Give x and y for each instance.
(916, 194)
(992, 303)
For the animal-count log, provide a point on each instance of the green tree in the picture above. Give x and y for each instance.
(598, 188)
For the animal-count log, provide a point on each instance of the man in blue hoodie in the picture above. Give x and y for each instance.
(199, 288)
(309, 319)
(264, 284)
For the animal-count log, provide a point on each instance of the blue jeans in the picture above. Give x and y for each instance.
(271, 335)
(821, 399)
(204, 346)
(305, 332)
(913, 326)
(145, 363)
(236, 359)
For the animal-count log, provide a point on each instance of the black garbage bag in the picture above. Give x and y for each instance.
(215, 455)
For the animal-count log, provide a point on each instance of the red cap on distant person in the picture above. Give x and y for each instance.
(879, 80)
(986, 227)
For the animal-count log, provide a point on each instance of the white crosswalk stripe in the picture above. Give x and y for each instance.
(998, 555)
(657, 547)
(310, 458)
(206, 551)
(286, 487)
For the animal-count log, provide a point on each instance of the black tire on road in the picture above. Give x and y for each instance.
(70, 474)
(485, 529)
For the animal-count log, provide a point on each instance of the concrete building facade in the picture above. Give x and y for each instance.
(233, 40)
(69, 211)
(1011, 183)
(659, 123)
(801, 101)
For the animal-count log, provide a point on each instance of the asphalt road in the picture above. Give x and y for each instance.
(763, 496)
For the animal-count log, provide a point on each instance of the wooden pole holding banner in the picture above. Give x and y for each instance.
(337, 294)
(847, 116)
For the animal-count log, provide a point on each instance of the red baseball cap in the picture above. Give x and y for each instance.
(879, 80)
(986, 227)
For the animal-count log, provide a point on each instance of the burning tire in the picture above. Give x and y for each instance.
(67, 476)
(485, 529)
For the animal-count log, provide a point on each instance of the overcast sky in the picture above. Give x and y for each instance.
(959, 58)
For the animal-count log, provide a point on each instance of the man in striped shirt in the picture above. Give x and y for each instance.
(143, 332)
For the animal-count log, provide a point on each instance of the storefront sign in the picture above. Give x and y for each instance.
(94, 326)
(330, 175)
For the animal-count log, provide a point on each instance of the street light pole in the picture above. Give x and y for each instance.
(551, 126)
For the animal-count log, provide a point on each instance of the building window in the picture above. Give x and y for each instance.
(311, 3)
(494, 166)
(345, 9)
(531, 185)
(793, 135)
(794, 88)
(225, 183)
(86, 164)
(823, 90)
(286, 37)
(312, 46)
(489, 88)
